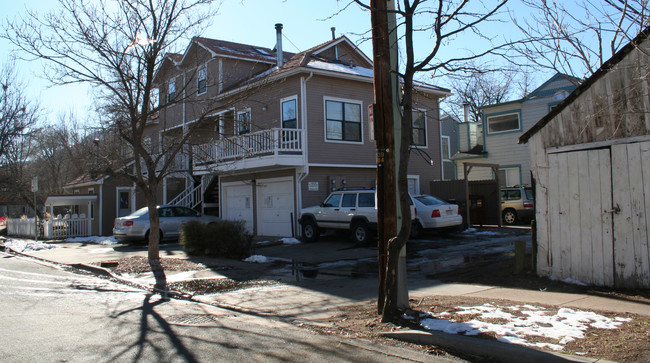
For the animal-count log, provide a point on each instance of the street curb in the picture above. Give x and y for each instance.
(98, 270)
(502, 352)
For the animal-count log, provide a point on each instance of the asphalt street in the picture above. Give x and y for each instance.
(50, 314)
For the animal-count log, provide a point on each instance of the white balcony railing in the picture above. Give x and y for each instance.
(260, 143)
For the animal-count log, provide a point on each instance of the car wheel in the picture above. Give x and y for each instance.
(416, 229)
(360, 233)
(310, 232)
(509, 216)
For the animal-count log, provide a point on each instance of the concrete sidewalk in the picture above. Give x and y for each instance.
(315, 299)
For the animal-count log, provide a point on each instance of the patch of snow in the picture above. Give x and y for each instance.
(101, 250)
(341, 68)
(564, 326)
(257, 259)
(28, 246)
(568, 280)
(290, 241)
(105, 240)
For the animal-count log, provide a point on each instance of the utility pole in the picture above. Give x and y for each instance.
(385, 83)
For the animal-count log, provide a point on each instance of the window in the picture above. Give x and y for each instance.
(444, 144)
(349, 200)
(366, 199)
(502, 123)
(419, 128)
(343, 121)
(171, 90)
(202, 80)
(333, 201)
(243, 122)
(289, 115)
(509, 177)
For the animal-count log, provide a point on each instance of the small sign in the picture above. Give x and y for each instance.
(312, 186)
(371, 122)
(35, 184)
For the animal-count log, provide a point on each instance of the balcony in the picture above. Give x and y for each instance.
(257, 150)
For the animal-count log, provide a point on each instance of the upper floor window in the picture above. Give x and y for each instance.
(419, 128)
(444, 145)
(202, 80)
(243, 122)
(343, 121)
(503, 123)
(171, 90)
(289, 114)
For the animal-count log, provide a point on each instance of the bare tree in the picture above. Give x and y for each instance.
(444, 21)
(117, 46)
(479, 89)
(576, 38)
(17, 114)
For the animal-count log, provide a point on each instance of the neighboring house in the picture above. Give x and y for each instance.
(13, 206)
(590, 159)
(449, 142)
(285, 129)
(100, 199)
(494, 141)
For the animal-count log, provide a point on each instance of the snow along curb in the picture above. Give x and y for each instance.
(478, 347)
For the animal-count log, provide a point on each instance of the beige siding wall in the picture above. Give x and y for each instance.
(317, 186)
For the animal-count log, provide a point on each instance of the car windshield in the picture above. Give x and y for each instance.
(140, 212)
(428, 200)
(529, 194)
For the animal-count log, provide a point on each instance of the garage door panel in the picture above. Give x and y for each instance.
(275, 207)
(238, 204)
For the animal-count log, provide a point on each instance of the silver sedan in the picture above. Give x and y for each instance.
(136, 225)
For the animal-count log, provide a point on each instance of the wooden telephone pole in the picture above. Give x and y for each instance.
(385, 85)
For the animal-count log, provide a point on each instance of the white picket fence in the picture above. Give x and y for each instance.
(50, 229)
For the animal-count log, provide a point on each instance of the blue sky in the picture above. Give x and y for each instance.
(306, 23)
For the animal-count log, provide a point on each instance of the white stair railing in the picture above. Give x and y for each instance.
(192, 196)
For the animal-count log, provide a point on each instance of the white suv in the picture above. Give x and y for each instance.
(353, 210)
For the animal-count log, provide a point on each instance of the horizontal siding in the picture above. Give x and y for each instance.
(327, 178)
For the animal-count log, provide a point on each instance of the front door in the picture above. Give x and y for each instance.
(124, 202)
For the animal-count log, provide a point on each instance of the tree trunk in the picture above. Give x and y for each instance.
(154, 245)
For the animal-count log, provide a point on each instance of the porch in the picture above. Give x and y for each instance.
(256, 150)
(70, 215)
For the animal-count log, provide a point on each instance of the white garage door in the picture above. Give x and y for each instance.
(238, 203)
(275, 203)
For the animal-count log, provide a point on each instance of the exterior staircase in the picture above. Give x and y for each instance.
(194, 195)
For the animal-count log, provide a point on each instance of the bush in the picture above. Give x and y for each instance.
(225, 239)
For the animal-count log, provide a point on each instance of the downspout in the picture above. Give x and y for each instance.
(442, 160)
(303, 116)
(100, 208)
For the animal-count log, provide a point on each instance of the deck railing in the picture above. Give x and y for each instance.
(260, 143)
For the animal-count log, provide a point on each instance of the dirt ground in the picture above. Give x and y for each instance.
(629, 343)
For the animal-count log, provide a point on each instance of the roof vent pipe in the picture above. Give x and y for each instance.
(333, 29)
(278, 45)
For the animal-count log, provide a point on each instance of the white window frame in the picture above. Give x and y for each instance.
(518, 128)
(202, 75)
(343, 100)
(426, 129)
(171, 95)
(517, 171)
(293, 98)
(416, 180)
(238, 122)
(442, 148)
